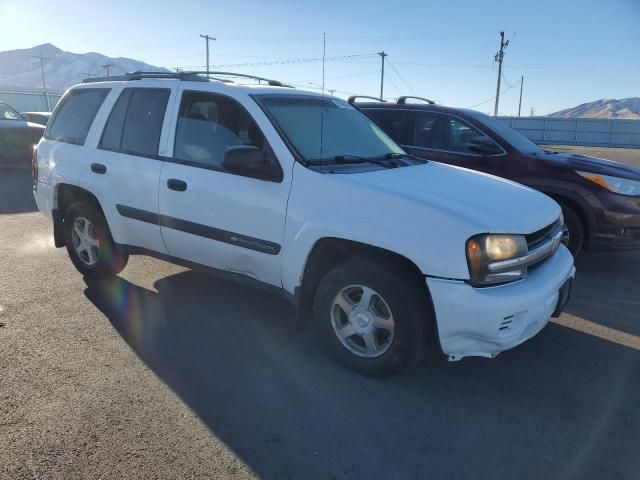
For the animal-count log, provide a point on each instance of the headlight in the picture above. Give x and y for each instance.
(485, 250)
(623, 186)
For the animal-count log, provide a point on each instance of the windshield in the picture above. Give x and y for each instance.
(8, 113)
(322, 128)
(511, 136)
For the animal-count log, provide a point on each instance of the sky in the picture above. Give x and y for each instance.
(569, 51)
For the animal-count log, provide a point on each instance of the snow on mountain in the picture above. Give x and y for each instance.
(62, 69)
(605, 108)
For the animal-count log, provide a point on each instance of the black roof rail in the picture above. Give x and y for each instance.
(268, 81)
(403, 100)
(352, 99)
(139, 75)
(187, 75)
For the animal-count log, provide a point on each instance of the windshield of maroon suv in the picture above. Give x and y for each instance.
(322, 128)
(511, 136)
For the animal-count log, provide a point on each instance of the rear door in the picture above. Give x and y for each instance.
(446, 138)
(125, 169)
(210, 216)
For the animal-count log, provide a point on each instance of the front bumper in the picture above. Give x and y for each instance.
(617, 224)
(486, 321)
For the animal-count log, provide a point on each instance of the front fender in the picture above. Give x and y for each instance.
(301, 239)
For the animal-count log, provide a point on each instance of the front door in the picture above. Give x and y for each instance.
(208, 215)
(445, 138)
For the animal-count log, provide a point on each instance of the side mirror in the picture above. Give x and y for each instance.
(250, 161)
(485, 145)
(244, 160)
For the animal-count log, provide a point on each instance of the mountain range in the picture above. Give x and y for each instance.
(605, 108)
(21, 68)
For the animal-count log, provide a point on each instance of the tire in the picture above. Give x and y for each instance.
(575, 230)
(91, 247)
(395, 296)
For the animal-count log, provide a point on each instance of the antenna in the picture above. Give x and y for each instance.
(324, 55)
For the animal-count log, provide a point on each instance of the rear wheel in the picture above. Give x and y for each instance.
(372, 316)
(89, 242)
(574, 237)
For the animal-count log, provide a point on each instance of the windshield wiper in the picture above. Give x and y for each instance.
(405, 155)
(347, 159)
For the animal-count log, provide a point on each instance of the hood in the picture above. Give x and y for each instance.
(491, 204)
(584, 163)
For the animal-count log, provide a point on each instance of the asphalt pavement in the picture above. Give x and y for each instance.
(169, 373)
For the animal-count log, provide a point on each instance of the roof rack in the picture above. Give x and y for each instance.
(353, 99)
(403, 100)
(139, 75)
(192, 76)
(268, 81)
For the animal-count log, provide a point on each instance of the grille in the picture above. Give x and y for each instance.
(535, 239)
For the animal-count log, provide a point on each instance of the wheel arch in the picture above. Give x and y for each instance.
(65, 195)
(577, 205)
(327, 252)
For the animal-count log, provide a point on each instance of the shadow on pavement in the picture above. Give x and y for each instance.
(563, 405)
(16, 194)
(607, 290)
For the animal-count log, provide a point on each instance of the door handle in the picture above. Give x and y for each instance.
(177, 185)
(98, 168)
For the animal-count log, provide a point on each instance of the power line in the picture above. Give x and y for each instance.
(296, 60)
(492, 98)
(401, 78)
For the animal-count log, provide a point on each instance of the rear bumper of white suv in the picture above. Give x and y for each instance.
(486, 321)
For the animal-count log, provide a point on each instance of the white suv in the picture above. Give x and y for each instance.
(303, 193)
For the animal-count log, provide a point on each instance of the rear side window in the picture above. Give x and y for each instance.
(135, 123)
(73, 117)
(425, 131)
(394, 122)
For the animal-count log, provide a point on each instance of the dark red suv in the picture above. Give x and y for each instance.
(600, 198)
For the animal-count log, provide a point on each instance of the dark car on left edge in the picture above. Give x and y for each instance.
(600, 199)
(17, 138)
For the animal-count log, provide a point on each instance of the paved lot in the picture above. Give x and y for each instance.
(167, 373)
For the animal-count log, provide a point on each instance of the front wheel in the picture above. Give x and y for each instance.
(89, 243)
(373, 316)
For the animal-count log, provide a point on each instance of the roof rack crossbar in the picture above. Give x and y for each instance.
(403, 100)
(353, 98)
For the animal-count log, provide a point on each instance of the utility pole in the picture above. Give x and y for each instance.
(207, 39)
(533, 112)
(520, 102)
(108, 66)
(382, 55)
(498, 58)
(331, 91)
(44, 83)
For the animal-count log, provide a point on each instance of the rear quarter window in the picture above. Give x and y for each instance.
(73, 117)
